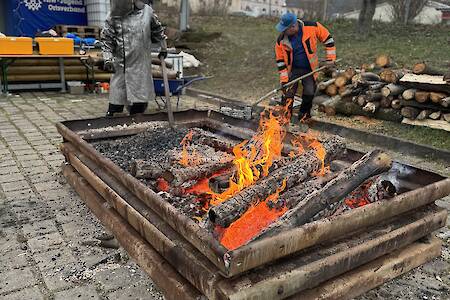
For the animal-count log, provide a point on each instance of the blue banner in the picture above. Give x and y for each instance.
(26, 17)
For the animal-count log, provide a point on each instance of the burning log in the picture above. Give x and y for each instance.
(294, 173)
(410, 112)
(143, 169)
(213, 140)
(336, 190)
(409, 94)
(423, 68)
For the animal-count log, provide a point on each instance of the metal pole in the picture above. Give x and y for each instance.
(167, 93)
(62, 74)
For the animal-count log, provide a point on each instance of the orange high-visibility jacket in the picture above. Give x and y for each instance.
(312, 31)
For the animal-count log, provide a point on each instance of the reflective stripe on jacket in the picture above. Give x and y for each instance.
(312, 32)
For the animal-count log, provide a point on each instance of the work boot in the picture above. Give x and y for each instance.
(114, 109)
(138, 108)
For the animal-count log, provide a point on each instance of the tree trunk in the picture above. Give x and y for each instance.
(396, 104)
(371, 164)
(392, 90)
(391, 76)
(386, 102)
(436, 115)
(322, 86)
(410, 112)
(423, 68)
(341, 81)
(409, 94)
(422, 96)
(372, 107)
(366, 16)
(329, 107)
(331, 90)
(437, 97)
(383, 61)
(424, 114)
(298, 171)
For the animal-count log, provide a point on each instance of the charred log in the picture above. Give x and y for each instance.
(294, 173)
(336, 190)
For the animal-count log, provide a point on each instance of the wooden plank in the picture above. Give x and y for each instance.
(426, 82)
(367, 277)
(316, 265)
(435, 124)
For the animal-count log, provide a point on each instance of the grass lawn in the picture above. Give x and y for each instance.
(242, 60)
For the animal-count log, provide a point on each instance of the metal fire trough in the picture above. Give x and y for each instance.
(334, 258)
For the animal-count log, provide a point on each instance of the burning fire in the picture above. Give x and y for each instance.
(257, 218)
(254, 158)
(189, 159)
(310, 140)
(360, 196)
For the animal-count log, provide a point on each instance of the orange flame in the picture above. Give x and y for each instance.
(188, 159)
(310, 140)
(254, 220)
(254, 158)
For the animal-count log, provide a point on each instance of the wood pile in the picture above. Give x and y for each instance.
(381, 91)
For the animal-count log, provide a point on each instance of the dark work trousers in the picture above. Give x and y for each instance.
(309, 89)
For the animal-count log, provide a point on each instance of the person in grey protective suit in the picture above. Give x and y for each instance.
(129, 31)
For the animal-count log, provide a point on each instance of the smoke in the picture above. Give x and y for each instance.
(396, 173)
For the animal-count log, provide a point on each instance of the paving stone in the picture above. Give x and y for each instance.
(8, 240)
(15, 186)
(136, 292)
(13, 260)
(39, 228)
(48, 185)
(32, 163)
(82, 292)
(54, 258)
(28, 157)
(113, 279)
(46, 242)
(25, 152)
(37, 170)
(7, 178)
(16, 279)
(31, 293)
(56, 278)
(9, 170)
(19, 195)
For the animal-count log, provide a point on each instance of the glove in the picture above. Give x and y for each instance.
(163, 54)
(108, 66)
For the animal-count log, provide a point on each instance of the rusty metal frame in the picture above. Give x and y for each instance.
(277, 281)
(232, 263)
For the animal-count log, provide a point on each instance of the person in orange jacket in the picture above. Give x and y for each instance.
(296, 55)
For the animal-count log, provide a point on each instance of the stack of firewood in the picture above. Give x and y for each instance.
(381, 91)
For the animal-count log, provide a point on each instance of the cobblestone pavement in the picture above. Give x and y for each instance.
(46, 232)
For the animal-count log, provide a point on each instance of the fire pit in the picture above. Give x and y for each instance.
(245, 210)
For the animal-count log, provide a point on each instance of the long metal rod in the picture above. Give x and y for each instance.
(167, 93)
(289, 84)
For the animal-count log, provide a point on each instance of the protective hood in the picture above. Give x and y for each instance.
(121, 8)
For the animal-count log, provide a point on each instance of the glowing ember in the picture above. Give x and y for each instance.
(188, 159)
(256, 219)
(162, 185)
(360, 196)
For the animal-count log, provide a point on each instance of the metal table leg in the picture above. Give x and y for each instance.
(62, 75)
(4, 76)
